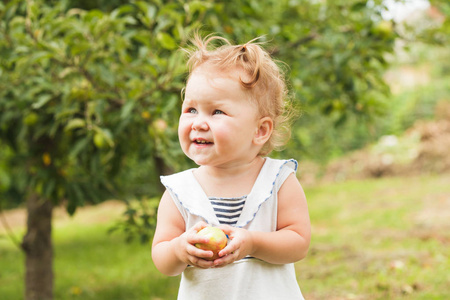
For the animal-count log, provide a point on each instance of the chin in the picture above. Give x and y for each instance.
(202, 163)
(199, 161)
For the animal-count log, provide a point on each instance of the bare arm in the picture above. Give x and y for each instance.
(289, 243)
(173, 247)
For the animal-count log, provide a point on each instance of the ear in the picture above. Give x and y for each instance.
(263, 131)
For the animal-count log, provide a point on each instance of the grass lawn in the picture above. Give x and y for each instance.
(379, 239)
(372, 239)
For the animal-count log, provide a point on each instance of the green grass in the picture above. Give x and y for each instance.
(91, 264)
(379, 239)
(372, 239)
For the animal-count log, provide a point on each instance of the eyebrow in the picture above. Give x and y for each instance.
(187, 101)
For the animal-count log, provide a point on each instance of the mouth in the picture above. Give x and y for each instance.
(201, 142)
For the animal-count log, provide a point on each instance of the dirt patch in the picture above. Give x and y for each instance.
(423, 149)
(432, 222)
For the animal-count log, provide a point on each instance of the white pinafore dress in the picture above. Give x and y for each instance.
(249, 278)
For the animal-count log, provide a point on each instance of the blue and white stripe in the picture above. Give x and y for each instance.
(228, 210)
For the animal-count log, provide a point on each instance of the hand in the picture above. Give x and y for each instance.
(188, 253)
(240, 245)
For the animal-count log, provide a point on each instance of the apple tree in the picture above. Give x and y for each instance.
(89, 98)
(334, 53)
(84, 97)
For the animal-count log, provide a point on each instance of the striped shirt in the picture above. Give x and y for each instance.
(228, 210)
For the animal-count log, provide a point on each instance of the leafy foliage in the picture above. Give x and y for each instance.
(84, 94)
(89, 91)
(335, 58)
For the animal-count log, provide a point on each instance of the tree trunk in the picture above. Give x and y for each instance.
(163, 169)
(37, 245)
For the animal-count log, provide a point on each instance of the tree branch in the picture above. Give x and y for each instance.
(296, 44)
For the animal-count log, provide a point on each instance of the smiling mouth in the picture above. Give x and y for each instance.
(201, 142)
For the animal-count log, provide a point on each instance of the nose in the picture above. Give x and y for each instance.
(200, 123)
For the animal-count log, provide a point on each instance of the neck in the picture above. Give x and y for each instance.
(229, 181)
(237, 169)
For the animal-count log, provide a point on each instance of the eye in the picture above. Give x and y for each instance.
(218, 112)
(191, 110)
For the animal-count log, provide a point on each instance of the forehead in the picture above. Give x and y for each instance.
(206, 79)
(215, 72)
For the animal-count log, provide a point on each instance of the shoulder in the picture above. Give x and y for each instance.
(176, 178)
(178, 175)
(282, 163)
(278, 170)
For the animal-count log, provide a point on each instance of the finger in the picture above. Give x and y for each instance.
(200, 253)
(200, 257)
(204, 254)
(225, 260)
(200, 263)
(227, 229)
(199, 226)
(229, 249)
(194, 238)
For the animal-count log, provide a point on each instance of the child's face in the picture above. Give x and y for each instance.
(218, 122)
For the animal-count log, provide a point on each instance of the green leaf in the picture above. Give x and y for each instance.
(49, 187)
(103, 135)
(78, 147)
(170, 105)
(39, 56)
(41, 101)
(359, 6)
(122, 10)
(144, 38)
(71, 207)
(148, 9)
(126, 110)
(166, 41)
(5, 180)
(67, 71)
(106, 75)
(75, 123)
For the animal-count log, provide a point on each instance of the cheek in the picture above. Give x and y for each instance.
(216, 128)
(234, 134)
(224, 133)
(184, 128)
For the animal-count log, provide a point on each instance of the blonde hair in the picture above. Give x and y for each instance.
(265, 80)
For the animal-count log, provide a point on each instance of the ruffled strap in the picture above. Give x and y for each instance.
(189, 195)
(272, 176)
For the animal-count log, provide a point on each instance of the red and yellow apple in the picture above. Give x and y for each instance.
(217, 241)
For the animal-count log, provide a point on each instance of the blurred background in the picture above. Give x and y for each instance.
(90, 95)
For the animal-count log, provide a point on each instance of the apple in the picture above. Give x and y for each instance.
(99, 140)
(383, 29)
(217, 241)
(31, 119)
